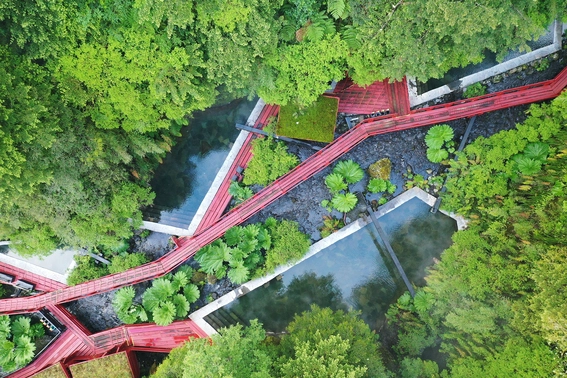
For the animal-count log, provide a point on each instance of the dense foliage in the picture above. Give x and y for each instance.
(253, 250)
(167, 299)
(17, 341)
(319, 343)
(494, 304)
(94, 92)
(270, 160)
(87, 268)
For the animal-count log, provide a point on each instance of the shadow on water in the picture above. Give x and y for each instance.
(489, 61)
(353, 273)
(184, 178)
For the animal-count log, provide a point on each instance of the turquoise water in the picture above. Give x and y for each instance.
(184, 178)
(353, 273)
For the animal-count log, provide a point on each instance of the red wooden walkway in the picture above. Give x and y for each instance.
(41, 283)
(78, 344)
(222, 198)
(376, 97)
(76, 340)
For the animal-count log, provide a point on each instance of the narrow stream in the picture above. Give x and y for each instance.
(184, 178)
(353, 273)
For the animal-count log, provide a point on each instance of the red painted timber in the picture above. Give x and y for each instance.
(222, 198)
(41, 283)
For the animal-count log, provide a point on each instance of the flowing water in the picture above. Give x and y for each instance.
(184, 178)
(353, 273)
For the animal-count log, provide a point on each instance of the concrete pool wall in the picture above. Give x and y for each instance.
(198, 316)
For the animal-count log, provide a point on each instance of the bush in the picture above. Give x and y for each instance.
(124, 262)
(17, 341)
(474, 90)
(288, 243)
(167, 299)
(270, 160)
(87, 269)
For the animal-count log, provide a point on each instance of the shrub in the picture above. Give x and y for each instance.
(270, 160)
(474, 90)
(288, 243)
(350, 170)
(240, 193)
(87, 269)
(17, 341)
(168, 298)
(330, 225)
(124, 262)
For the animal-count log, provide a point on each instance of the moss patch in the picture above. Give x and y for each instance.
(315, 122)
(115, 366)
(381, 169)
(55, 371)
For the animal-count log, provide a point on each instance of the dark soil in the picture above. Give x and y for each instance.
(148, 362)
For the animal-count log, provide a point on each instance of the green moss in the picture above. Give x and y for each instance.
(315, 122)
(381, 169)
(55, 371)
(115, 366)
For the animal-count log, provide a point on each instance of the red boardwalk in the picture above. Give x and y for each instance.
(222, 198)
(41, 283)
(362, 100)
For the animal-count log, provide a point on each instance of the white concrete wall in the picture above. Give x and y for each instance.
(245, 288)
(416, 99)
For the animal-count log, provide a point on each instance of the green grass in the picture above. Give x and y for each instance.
(54, 371)
(315, 122)
(115, 366)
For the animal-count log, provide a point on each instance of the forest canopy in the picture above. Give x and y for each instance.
(93, 93)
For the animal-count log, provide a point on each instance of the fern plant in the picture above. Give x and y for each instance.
(337, 8)
(335, 182)
(350, 170)
(344, 202)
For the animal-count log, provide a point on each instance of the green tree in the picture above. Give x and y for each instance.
(549, 302)
(326, 358)
(310, 328)
(519, 358)
(301, 72)
(235, 352)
